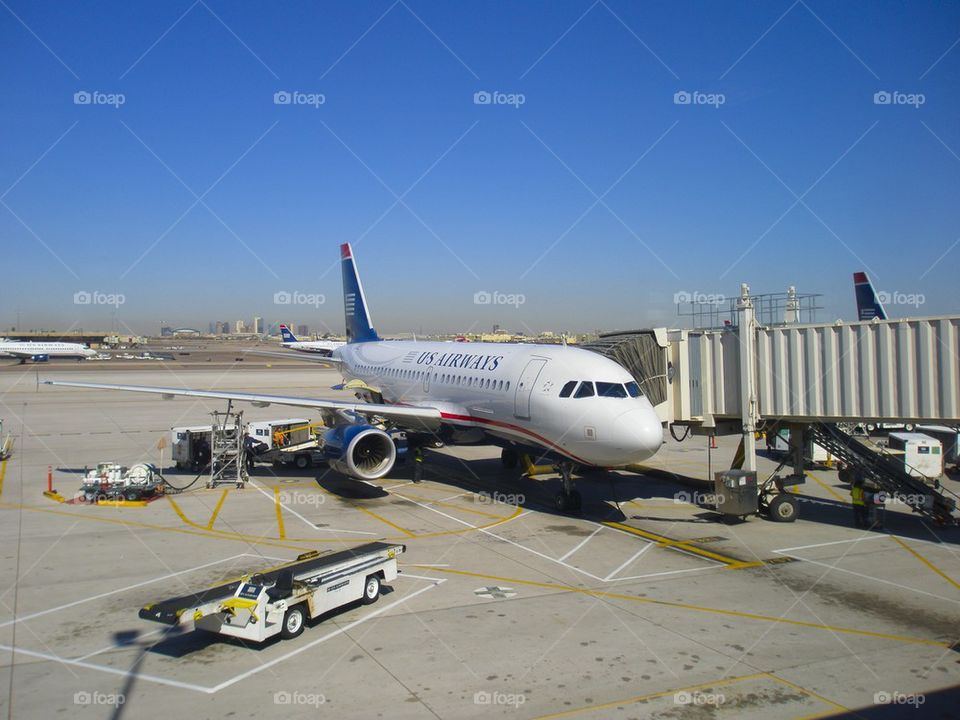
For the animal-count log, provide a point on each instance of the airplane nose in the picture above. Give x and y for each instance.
(641, 430)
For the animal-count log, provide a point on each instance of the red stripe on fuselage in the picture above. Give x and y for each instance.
(539, 438)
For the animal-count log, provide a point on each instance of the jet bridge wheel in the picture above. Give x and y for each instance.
(293, 622)
(783, 508)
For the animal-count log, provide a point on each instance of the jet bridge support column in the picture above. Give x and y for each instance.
(748, 394)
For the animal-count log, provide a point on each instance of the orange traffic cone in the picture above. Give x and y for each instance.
(713, 442)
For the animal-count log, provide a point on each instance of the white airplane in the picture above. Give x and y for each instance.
(574, 405)
(291, 342)
(42, 351)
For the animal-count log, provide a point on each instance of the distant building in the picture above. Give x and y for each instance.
(303, 330)
(239, 328)
(165, 330)
(258, 325)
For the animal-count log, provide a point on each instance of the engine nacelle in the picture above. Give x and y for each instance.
(43, 357)
(360, 451)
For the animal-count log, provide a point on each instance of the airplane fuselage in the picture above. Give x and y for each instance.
(27, 349)
(514, 392)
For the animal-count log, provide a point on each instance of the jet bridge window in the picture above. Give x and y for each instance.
(609, 389)
(568, 388)
(585, 390)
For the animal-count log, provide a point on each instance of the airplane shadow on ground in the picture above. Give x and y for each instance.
(605, 492)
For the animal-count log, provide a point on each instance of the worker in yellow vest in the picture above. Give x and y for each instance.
(858, 500)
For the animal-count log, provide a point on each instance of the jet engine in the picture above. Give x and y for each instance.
(360, 451)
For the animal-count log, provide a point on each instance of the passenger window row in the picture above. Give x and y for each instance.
(445, 378)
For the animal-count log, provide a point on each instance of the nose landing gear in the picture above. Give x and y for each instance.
(568, 500)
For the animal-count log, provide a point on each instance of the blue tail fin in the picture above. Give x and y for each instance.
(288, 337)
(868, 304)
(359, 328)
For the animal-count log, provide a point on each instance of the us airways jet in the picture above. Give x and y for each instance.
(41, 351)
(574, 405)
(291, 342)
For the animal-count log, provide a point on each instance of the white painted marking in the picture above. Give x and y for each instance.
(629, 560)
(115, 646)
(120, 590)
(273, 499)
(581, 543)
(835, 542)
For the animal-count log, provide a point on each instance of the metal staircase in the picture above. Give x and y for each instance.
(934, 502)
(227, 456)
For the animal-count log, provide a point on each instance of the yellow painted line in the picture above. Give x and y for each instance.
(829, 489)
(3, 472)
(650, 696)
(216, 510)
(449, 505)
(696, 608)
(384, 520)
(218, 535)
(518, 511)
(811, 693)
(122, 503)
(730, 562)
(279, 508)
(926, 562)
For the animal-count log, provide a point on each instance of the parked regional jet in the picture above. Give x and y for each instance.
(325, 347)
(868, 304)
(575, 405)
(42, 351)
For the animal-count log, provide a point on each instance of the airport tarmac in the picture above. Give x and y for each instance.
(645, 606)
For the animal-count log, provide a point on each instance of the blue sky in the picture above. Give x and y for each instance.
(596, 199)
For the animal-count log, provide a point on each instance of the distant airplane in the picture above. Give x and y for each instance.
(868, 304)
(43, 351)
(325, 347)
(570, 404)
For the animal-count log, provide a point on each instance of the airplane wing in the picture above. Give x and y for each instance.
(406, 415)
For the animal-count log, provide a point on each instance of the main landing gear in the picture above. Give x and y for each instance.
(568, 500)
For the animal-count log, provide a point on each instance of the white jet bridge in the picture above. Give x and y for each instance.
(810, 377)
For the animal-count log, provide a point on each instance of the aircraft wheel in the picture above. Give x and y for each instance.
(561, 502)
(783, 508)
(293, 622)
(371, 590)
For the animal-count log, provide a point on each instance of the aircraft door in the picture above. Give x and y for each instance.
(428, 373)
(528, 378)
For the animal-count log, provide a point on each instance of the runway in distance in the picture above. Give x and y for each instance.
(291, 342)
(572, 405)
(41, 351)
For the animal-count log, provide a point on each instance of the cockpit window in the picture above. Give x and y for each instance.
(585, 390)
(568, 388)
(609, 389)
(633, 389)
